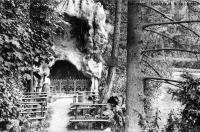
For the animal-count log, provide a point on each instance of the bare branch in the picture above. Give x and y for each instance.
(172, 84)
(162, 79)
(162, 14)
(152, 68)
(174, 41)
(165, 23)
(182, 50)
(159, 74)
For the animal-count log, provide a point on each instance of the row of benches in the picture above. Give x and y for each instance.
(34, 105)
(81, 111)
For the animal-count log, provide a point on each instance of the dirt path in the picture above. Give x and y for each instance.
(59, 118)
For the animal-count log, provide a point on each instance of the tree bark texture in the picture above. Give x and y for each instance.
(134, 91)
(114, 52)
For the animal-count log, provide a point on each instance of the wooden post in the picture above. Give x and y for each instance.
(90, 125)
(101, 126)
(76, 112)
(101, 107)
(60, 85)
(42, 109)
(75, 126)
(31, 84)
(74, 86)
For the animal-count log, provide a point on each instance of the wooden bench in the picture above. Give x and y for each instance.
(32, 108)
(74, 109)
(86, 92)
(28, 96)
(87, 104)
(77, 105)
(82, 106)
(37, 95)
(81, 95)
(34, 104)
(26, 105)
(25, 93)
(36, 118)
(33, 98)
(28, 112)
(76, 121)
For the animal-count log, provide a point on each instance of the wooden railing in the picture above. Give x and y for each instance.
(69, 86)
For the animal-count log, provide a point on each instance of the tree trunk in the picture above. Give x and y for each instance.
(134, 91)
(31, 83)
(114, 52)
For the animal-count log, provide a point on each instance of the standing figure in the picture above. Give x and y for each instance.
(95, 65)
(46, 84)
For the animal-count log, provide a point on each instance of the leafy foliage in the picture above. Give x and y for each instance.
(24, 41)
(9, 99)
(152, 125)
(189, 98)
(173, 122)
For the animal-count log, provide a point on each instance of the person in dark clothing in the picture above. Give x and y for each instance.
(113, 100)
(118, 118)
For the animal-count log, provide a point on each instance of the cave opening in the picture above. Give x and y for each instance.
(67, 79)
(63, 69)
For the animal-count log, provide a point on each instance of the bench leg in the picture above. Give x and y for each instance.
(90, 125)
(101, 126)
(75, 126)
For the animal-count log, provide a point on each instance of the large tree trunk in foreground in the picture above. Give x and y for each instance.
(134, 91)
(114, 52)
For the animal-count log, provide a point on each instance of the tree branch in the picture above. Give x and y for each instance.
(182, 50)
(162, 14)
(159, 73)
(152, 68)
(162, 79)
(165, 23)
(174, 41)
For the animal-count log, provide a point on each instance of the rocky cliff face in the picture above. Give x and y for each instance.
(84, 34)
(81, 35)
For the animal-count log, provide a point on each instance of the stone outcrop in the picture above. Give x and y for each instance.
(84, 35)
